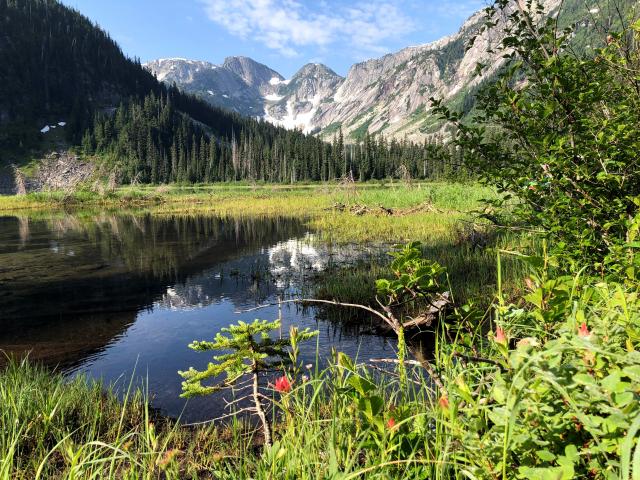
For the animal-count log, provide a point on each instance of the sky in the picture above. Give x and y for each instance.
(283, 34)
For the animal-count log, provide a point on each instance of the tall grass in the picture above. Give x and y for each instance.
(53, 427)
(426, 212)
(540, 401)
(471, 272)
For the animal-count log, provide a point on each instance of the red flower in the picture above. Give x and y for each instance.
(500, 336)
(282, 384)
(583, 331)
(444, 402)
(391, 423)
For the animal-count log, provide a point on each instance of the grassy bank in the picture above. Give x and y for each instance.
(551, 392)
(440, 215)
(421, 211)
(541, 397)
(52, 427)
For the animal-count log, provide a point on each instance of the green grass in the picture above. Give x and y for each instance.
(424, 211)
(484, 418)
(53, 427)
(471, 272)
(433, 213)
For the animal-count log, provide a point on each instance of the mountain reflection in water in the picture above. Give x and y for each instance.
(105, 294)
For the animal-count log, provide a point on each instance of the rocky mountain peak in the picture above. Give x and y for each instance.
(255, 74)
(178, 70)
(317, 70)
(387, 95)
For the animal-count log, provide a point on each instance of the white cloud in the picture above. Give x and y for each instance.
(458, 8)
(287, 25)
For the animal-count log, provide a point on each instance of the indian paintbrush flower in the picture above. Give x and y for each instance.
(500, 337)
(583, 331)
(282, 384)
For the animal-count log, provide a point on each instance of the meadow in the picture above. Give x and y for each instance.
(358, 420)
(443, 216)
(52, 426)
(522, 341)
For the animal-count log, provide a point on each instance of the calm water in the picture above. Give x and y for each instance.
(110, 295)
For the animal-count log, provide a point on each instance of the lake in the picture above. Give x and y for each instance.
(118, 296)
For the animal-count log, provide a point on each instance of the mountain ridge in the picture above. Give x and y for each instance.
(388, 95)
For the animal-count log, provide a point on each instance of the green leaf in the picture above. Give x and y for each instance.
(361, 385)
(546, 455)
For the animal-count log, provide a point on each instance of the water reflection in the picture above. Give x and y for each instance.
(102, 294)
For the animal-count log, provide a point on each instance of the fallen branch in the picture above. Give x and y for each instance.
(392, 322)
(427, 318)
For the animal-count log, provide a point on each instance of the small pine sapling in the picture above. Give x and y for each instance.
(251, 351)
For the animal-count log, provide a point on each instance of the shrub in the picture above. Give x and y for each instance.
(558, 132)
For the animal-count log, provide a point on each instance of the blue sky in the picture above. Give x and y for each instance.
(283, 34)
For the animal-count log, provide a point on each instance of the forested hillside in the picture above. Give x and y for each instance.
(59, 67)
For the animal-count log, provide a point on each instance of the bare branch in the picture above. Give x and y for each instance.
(232, 414)
(389, 321)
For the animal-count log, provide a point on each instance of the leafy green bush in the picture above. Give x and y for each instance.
(558, 132)
(563, 402)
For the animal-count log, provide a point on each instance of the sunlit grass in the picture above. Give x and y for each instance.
(427, 212)
(53, 427)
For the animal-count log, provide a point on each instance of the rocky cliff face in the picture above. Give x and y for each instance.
(298, 102)
(254, 74)
(238, 84)
(388, 95)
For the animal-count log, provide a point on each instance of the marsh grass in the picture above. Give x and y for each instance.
(356, 419)
(55, 427)
(471, 273)
(74, 428)
(428, 212)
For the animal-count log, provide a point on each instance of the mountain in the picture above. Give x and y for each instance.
(67, 85)
(240, 83)
(297, 102)
(254, 74)
(251, 88)
(390, 94)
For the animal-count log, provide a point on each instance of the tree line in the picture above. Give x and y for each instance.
(152, 141)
